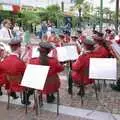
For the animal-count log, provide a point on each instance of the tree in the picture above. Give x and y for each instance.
(86, 10)
(52, 13)
(117, 15)
(78, 4)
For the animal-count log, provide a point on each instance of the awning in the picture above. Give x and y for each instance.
(13, 8)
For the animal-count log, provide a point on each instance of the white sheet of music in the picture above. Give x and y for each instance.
(35, 52)
(103, 68)
(35, 76)
(116, 48)
(67, 53)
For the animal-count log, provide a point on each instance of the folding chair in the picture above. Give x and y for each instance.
(14, 86)
(40, 100)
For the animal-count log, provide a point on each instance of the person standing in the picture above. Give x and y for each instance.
(5, 32)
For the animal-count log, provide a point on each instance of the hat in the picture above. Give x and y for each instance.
(61, 35)
(98, 36)
(52, 32)
(46, 45)
(66, 32)
(89, 43)
(73, 35)
(108, 30)
(79, 30)
(14, 42)
(95, 31)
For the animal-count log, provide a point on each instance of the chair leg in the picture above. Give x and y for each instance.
(58, 102)
(26, 102)
(21, 97)
(35, 103)
(82, 93)
(8, 104)
(96, 93)
(40, 100)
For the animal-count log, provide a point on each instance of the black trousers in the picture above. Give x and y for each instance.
(27, 94)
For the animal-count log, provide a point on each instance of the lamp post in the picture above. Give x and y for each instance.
(62, 6)
(101, 15)
(116, 17)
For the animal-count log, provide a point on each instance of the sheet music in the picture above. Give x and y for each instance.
(35, 52)
(35, 76)
(103, 68)
(67, 53)
(116, 48)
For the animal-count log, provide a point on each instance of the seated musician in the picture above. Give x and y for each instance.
(80, 35)
(53, 82)
(109, 35)
(61, 39)
(66, 39)
(74, 41)
(53, 39)
(12, 64)
(101, 48)
(2, 76)
(80, 68)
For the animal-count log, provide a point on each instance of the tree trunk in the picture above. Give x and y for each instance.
(79, 23)
(116, 17)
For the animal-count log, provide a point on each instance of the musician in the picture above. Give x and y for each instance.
(66, 39)
(5, 32)
(61, 39)
(101, 49)
(53, 39)
(109, 35)
(12, 64)
(74, 41)
(2, 76)
(53, 82)
(80, 68)
(80, 36)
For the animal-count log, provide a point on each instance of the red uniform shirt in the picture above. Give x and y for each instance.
(80, 69)
(53, 82)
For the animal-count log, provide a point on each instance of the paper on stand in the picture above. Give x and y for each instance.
(35, 76)
(67, 53)
(116, 48)
(35, 52)
(103, 68)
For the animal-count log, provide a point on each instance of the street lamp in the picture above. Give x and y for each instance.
(101, 15)
(116, 17)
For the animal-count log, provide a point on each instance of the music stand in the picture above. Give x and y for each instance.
(33, 79)
(68, 54)
(103, 69)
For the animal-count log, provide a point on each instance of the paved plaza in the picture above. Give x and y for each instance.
(70, 108)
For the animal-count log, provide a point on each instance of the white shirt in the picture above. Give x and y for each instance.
(4, 35)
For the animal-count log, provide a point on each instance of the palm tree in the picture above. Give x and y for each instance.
(117, 15)
(78, 4)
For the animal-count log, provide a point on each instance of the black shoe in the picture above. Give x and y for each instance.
(13, 95)
(25, 103)
(115, 87)
(81, 91)
(50, 98)
(1, 93)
